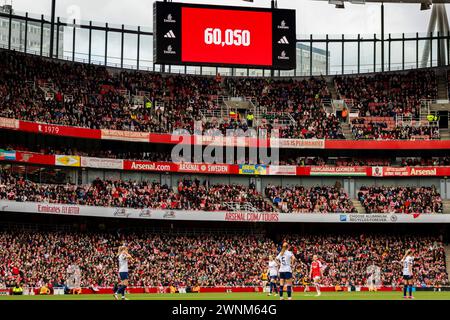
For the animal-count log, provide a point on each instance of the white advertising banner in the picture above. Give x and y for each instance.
(159, 214)
(298, 143)
(102, 163)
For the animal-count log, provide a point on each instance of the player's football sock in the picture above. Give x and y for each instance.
(405, 288)
(410, 290)
(271, 287)
(289, 291)
(281, 291)
(123, 292)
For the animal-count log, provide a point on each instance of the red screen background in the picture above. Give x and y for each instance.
(196, 20)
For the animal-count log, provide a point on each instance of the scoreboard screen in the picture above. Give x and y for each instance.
(224, 36)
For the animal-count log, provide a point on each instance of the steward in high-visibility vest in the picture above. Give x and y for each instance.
(148, 105)
(17, 290)
(432, 118)
(250, 118)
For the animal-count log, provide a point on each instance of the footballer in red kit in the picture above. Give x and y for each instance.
(316, 273)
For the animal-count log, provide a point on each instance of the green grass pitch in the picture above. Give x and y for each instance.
(421, 295)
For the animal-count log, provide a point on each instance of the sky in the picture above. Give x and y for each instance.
(313, 17)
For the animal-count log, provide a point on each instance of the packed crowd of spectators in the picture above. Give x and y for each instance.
(222, 196)
(38, 258)
(83, 95)
(94, 97)
(159, 259)
(191, 194)
(196, 195)
(302, 99)
(379, 130)
(320, 199)
(420, 162)
(383, 199)
(388, 94)
(346, 258)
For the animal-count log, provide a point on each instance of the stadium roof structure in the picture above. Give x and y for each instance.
(389, 1)
(438, 19)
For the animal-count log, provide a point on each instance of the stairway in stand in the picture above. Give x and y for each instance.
(445, 134)
(446, 205)
(447, 259)
(332, 88)
(347, 131)
(442, 84)
(358, 206)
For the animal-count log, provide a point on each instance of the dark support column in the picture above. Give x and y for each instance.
(342, 56)
(138, 46)
(374, 52)
(438, 50)
(359, 52)
(90, 42)
(52, 28)
(417, 50)
(10, 29)
(431, 49)
(327, 66)
(389, 52)
(73, 39)
(57, 39)
(310, 54)
(106, 44)
(448, 47)
(382, 36)
(26, 33)
(42, 34)
(121, 47)
(403, 51)
(272, 72)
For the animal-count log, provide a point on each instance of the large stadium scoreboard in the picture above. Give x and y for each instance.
(191, 34)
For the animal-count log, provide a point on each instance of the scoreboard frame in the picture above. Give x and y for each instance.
(168, 36)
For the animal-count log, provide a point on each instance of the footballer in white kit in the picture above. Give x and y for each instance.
(273, 275)
(286, 260)
(123, 257)
(408, 263)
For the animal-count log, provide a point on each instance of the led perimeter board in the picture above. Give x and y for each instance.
(192, 34)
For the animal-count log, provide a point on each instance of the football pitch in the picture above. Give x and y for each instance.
(421, 295)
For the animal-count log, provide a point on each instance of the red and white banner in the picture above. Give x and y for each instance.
(203, 168)
(207, 168)
(57, 130)
(225, 216)
(125, 135)
(35, 158)
(166, 138)
(180, 167)
(102, 163)
(410, 171)
(148, 166)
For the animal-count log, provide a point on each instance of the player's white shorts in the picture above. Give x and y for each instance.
(316, 279)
